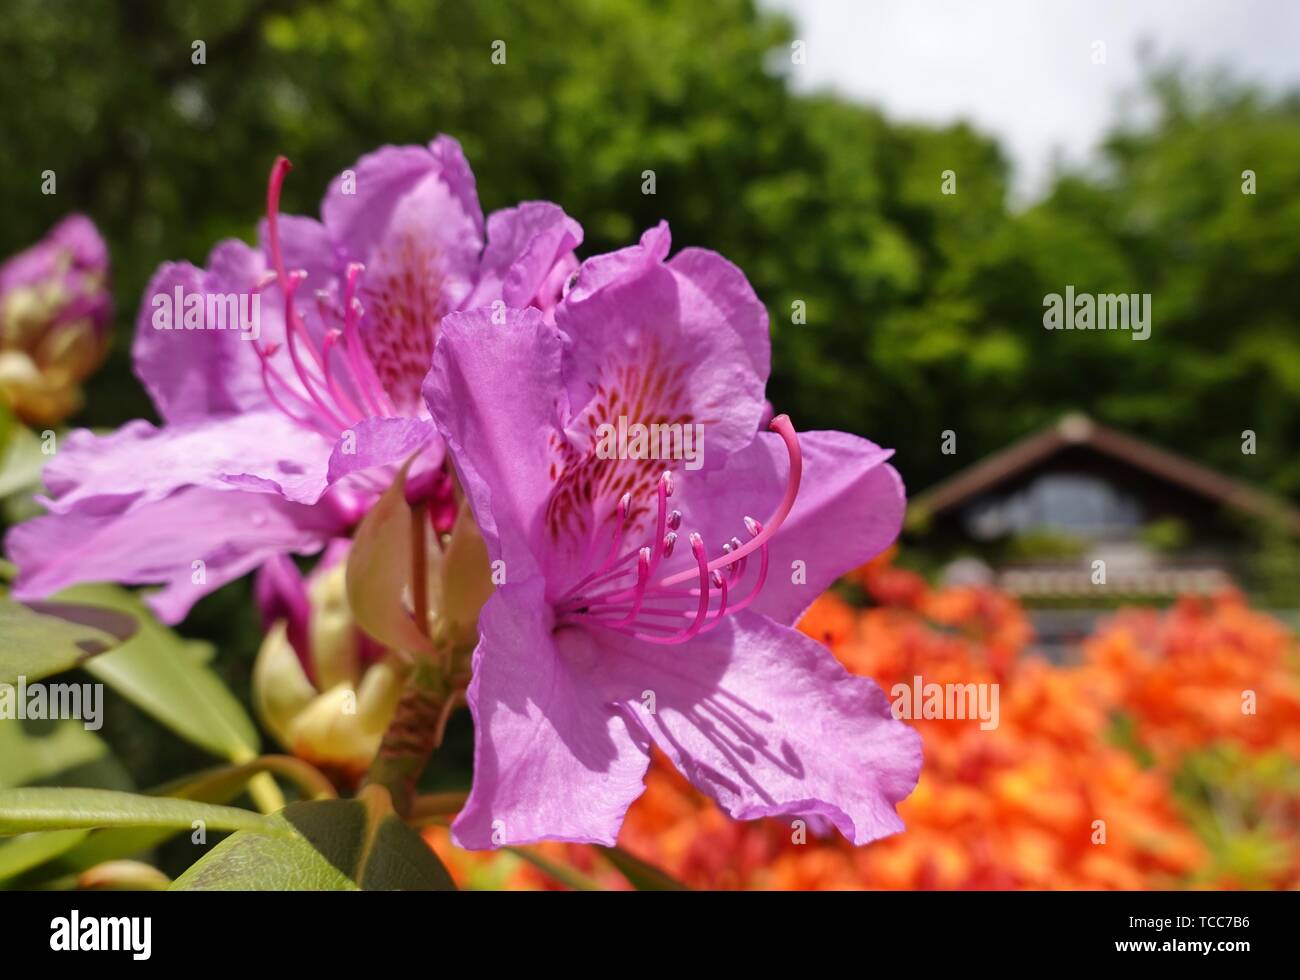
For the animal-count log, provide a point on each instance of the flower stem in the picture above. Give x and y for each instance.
(420, 566)
(434, 808)
(412, 735)
(265, 793)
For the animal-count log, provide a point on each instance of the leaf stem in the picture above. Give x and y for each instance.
(431, 808)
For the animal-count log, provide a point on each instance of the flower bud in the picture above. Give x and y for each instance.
(320, 686)
(462, 583)
(55, 313)
(457, 574)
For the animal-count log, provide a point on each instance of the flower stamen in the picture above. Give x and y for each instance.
(607, 599)
(334, 401)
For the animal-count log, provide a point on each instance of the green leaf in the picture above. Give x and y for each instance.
(642, 876)
(335, 845)
(26, 851)
(27, 757)
(255, 862)
(56, 808)
(167, 676)
(219, 785)
(59, 753)
(21, 461)
(45, 638)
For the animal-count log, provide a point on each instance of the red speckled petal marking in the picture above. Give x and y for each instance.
(587, 488)
(405, 304)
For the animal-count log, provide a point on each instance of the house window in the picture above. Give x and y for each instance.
(1076, 503)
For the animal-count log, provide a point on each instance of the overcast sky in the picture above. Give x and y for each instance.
(1023, 69)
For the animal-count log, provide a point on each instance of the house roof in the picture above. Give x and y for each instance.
(1079, 430)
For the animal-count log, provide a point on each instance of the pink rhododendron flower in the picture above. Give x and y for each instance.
(643, 607)
(278, 435)
(55, 312)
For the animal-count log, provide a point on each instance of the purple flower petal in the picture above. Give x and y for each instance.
(717, 294)
(759, 716)
(230, 534)
(622, 265)
(682, 344)
(280, 592)
(764, 720)
(383, 442)
(501, 435)
(305, 244)
(195, 374)
(414, 222)
(137, 464)
(526, 244)
(383, 179)
(708, 308)
(551, 759)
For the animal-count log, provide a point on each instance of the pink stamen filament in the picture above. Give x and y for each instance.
(623, 608)
(340, 396)
(267, 371)
(363, 372)
(330, 406)
(664, 491)
(642, 576)
(604, 571)
(781, 424)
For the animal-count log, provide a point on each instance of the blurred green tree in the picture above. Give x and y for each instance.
(923, 309)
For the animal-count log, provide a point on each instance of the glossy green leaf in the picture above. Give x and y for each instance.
(61, 752)
(44, 638)
(31, 808)
(219, 785)
(168, 677)
(336, 845)
(255, 862)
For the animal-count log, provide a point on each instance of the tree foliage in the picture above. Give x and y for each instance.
(924, 309)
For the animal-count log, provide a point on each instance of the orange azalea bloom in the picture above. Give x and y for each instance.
(1076, 786)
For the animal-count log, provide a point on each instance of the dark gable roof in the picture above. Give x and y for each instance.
(1079, 430)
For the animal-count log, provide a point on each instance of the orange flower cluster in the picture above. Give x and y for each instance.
(1207, 670)
(1165, 759)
